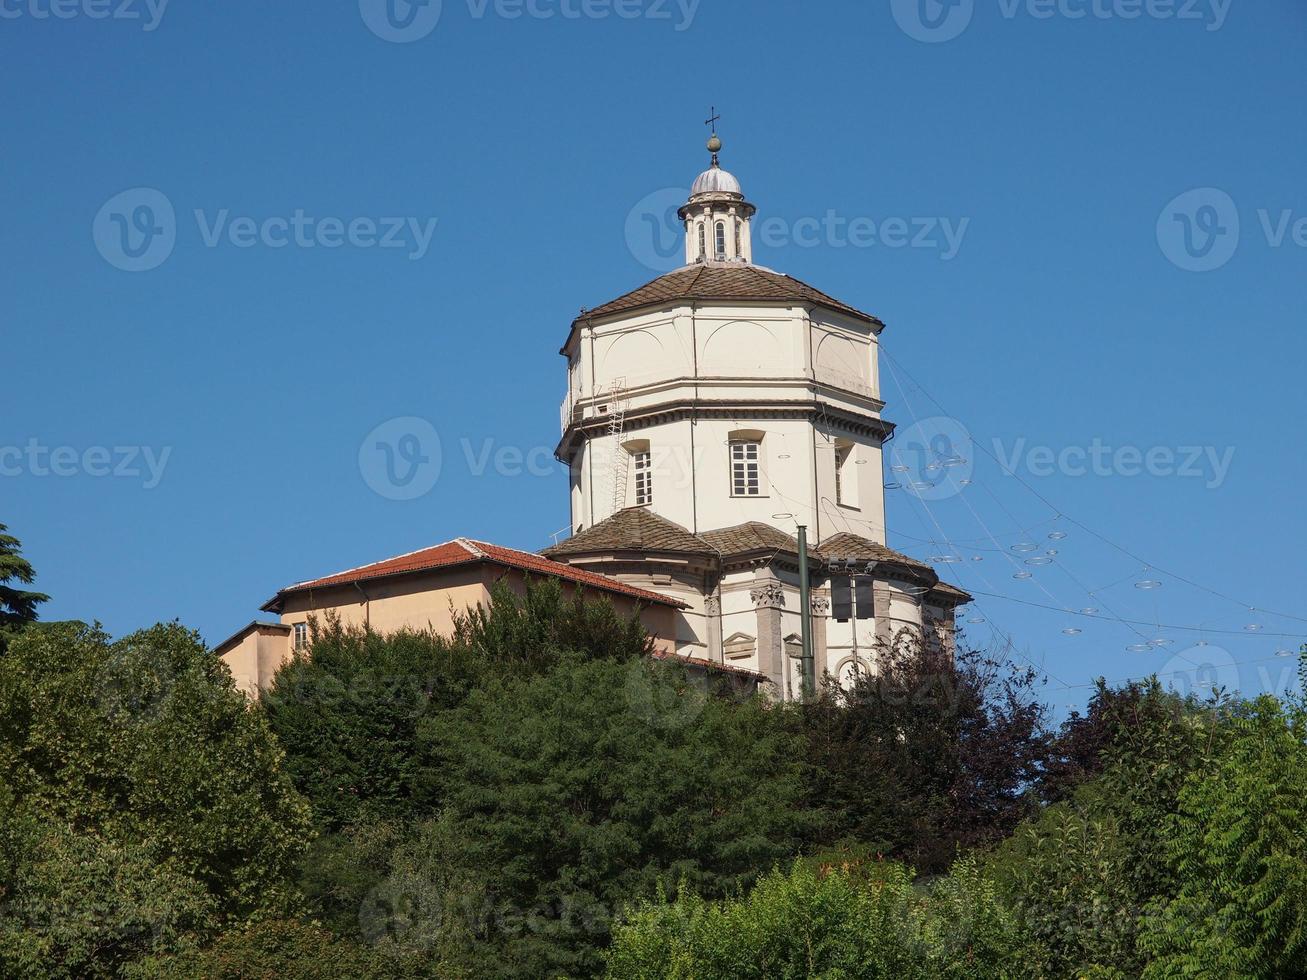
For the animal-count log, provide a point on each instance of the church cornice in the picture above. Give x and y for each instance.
(727, 408)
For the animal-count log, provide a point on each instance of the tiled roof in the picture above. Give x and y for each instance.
(464, 551)
(952, 592)
(633, 529)
(724, 282)
(852, 546)
(754, 536)
(710, 665)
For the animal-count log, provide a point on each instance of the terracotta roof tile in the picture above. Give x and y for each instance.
(464, 551)
(632, 529)
(724, 282)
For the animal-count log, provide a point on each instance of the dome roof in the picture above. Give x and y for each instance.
(715, 180)
(710, 282)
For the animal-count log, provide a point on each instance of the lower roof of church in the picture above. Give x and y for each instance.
(641, 530)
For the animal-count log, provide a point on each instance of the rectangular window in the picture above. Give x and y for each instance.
(842, 454)
(301, 636)
(643, 479)
(745, 472)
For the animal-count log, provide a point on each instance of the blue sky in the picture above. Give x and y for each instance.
(1073, 313)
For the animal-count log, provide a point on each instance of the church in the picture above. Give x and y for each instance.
(713, 418)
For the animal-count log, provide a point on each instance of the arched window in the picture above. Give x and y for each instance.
(739, 252)
(703, 242)
(721, 239)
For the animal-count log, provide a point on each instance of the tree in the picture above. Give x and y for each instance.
(1236, 841)
(862, 923)
(567, 795)
(347, 715)
(148, 800)
(1082, 874)
(277, 949)
(17, 606)
(930, 754)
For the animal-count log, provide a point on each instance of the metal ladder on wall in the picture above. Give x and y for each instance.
(616, 430)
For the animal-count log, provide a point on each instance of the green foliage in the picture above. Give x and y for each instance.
(340, 870)
(568, 794)
(529, 631)
(516, 800)
(932, 754)
(1066, 876)
(148, 798)
(348, 715)
(1082, 874)
(83, 906)
(273, 950)
(17, 606)
(865, 922)
(1238, 847)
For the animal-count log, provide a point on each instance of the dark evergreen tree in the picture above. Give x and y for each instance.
(17, 606)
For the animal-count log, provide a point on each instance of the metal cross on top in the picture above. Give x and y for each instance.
(712, 119)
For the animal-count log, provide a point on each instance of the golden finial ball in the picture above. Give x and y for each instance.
(714, 143)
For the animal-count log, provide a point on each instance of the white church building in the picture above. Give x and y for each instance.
(709, 414)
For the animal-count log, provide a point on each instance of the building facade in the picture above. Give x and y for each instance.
(709, 414)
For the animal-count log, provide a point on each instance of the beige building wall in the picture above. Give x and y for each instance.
(255, 655)
(769, 362)
(417, 601)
